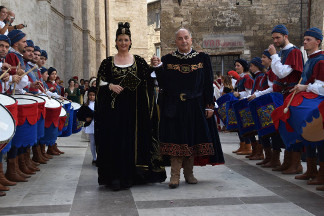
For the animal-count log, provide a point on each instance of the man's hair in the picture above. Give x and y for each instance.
(181, 29)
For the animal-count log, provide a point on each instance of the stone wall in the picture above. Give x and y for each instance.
(223, 18)
(71, 31)
(153, 31)
(317, 15)
(134, 12)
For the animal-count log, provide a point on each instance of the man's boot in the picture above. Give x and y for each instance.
(254, 150)
(44, 154)
(295, 165)
(4, 188)
(258, 153)
(22, 165)
(11, 173)
(3, 180)
(268, 154)
(319, 179)
(22, 174)
(275, 160)
(2, 193)
(286, 162)
(30, 165)
(176, 164)
(240, 148)
(51, 151)
(58, 150)
(187, 165)
(247, 150)
(311, 171)
(33, 163)
(37, 157)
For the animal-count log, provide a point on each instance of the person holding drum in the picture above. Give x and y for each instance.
(125, 120)
(243, 89)
(313, 81)
(287, 65)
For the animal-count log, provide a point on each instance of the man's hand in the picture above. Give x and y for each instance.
(20, 26)
(20, 72)
(236, 94)
(299, 88)
(272, 50)
(88, 119)
(155, 61)
(5, 78)
(35, 85)
(16, 78)
(251, 97)
(209, 113)
(5, 66)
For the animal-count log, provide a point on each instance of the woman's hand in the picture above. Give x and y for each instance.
(209, 113)
(236, 94)
(116, 88)
(88, 119)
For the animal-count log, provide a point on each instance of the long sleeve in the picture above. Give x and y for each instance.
(317, 87)
(278, 68)
(266, 91)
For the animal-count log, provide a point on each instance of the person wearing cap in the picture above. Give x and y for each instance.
(243, 88)
(313, 81)
(33, 62)
(287, 65)
(42, 59)
(4, 48)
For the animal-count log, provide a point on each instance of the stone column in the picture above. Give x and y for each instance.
(68, 35)
(86, 40)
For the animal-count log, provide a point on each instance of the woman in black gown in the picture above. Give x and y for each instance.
(126, 121)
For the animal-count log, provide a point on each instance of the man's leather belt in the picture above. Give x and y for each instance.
(184, 95)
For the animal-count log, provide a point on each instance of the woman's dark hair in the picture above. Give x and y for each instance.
(123, 28)
(227, 81)
(1, 7)
(91, 90)
(70, 80)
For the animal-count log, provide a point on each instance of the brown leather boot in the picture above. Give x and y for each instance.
(2, 193)
(22, 165)
(11, 173)
(51, 151)
(29, 164)
(22, 174)
(320, 188)
(4, 188)
(274, 161)
(258, 153)
(286, 162)
(35, 164)
(58, 150)
(44, 154)
(319, 179)
(3, 180)
(187, 165)
(254, 150)
(295, 165)
(268, 153)
(176, 164)
(240, 148)
(247, 150)
(311, 171)
(37, 155)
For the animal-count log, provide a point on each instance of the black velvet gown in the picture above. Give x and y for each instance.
(187, 90)
(126, 127)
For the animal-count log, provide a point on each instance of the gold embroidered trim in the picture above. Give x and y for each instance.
(185, 68)
(191, 55)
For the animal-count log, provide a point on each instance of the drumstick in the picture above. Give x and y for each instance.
(29, 71)
(45, 92)
(286, 109)
(4, 73)
(14, 90)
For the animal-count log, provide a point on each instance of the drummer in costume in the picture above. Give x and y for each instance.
(4, 82)
(263, 85)
(243, 89)
(313, 81)
(287, 65)
(188, 130)
(14, 58)
(55, 89)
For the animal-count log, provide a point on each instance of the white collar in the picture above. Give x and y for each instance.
(317, 51)
(288, 46)
(185, 53)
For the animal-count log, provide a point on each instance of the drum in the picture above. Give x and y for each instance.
(244, 119)
(77, 125)
(12, 105)
(41, 112)
(231, 122)
(67, 106)
(53, 110)
(26, 131)
(261, 109)
(221, 102)
(7, 127)
(62, 119)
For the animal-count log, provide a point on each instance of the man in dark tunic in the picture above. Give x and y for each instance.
(188, 132)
